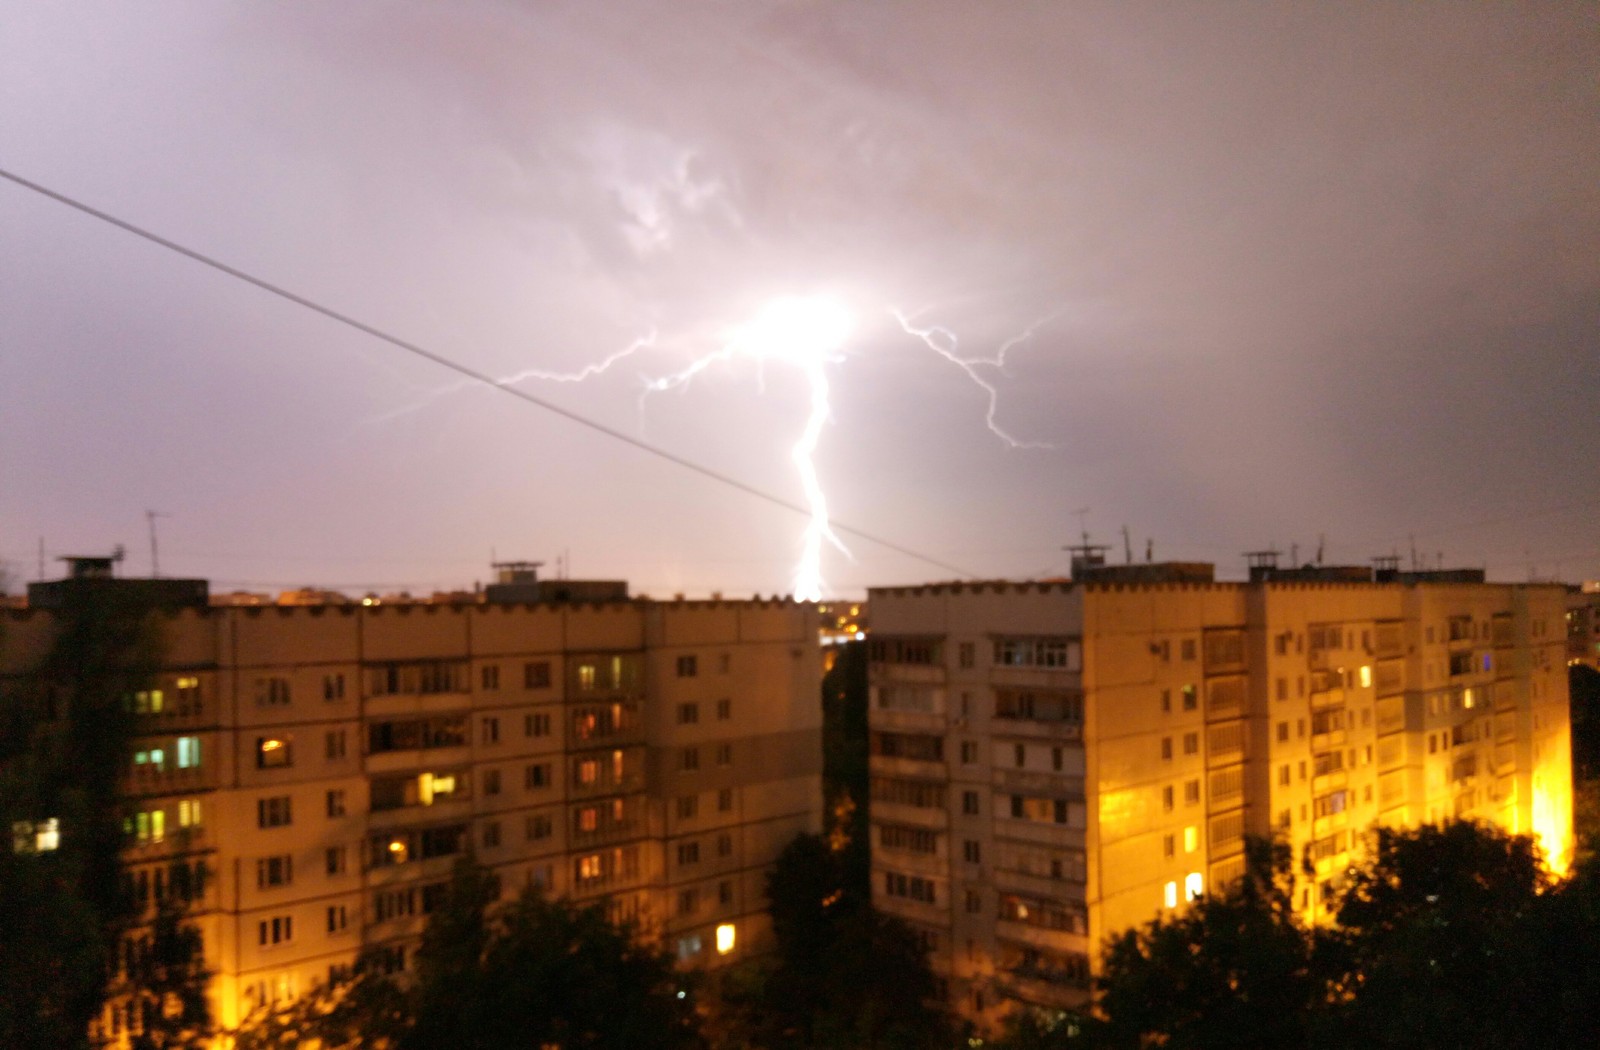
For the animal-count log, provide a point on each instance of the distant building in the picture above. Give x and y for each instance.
(1583, 626)
(327, 763)
(1053, 763)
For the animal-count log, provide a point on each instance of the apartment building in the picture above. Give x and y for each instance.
(325, 764)
(1054, 762)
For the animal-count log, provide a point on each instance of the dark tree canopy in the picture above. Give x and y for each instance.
(1448, 936)
(529, 972)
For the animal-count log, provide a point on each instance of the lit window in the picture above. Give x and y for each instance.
(1193, 886)
(189, 813)
(188, 752)
(586, 676)
(1191, 839)
(1366, 676)
(725, 936)
(1170, 897)
(158, 825)
(272, 753)
(35, 836)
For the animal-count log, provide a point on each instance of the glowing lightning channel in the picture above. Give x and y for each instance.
(806, 332)
(943, 342)
(589, 371)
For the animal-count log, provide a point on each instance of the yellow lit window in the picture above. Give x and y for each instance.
(725, 936)
(1191, 839)
(1170, 897)
(1193, 885)
(586, 676)
(1366, 676)
(158, 825)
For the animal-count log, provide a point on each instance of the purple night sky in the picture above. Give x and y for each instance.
(1292, 270)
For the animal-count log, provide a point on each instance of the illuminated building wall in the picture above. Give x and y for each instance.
(328, 763)
(1055, 762)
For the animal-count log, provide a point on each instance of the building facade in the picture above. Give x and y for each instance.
(326, 764)
(1053, 763)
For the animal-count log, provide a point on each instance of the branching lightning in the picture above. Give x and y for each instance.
(944, 342)
(808, 333)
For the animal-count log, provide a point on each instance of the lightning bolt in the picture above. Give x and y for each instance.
(944, 342)
(807, 333)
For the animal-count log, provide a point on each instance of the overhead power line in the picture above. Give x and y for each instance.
(464, 370)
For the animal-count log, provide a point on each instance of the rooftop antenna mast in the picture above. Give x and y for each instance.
(1127, 546)
(155, 558)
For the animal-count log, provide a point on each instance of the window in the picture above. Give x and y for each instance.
(337, 858)
(907, 838)
(1193, 886)
(688, 666)
(969, 803)
(911, 887)
(537, 724)
(688, 853)
(491, 782)
(969, 752)
(1166, 798)
(1020, 753)
(334, 744)
(333, 686)
(974, 903)
(688, 901)
(491, 834)
(338, 918)
(276, 930)
(1168, 847)
(336, 806)
(536, 776)
(1191, 743)
(272, 691)
(724, 845)
(1188, 648)
(725, 894)
(688, 714)
(1191, 838)
(971, 852)
(189, 813)
(689, 759)
(1191, 792)
(536, 674)
(273, 753)
(1191, 698)
(1166, 749)
(724, 710)
(1283, 732)
(274, 871)
(1169, 896)
(539, 826)
(688, 807)
(489, 677)
(273, 812)
(1166, 701)
(188, 748)
(724, 754)
(1061, 653)
(966, 654)
(491, 731)
(725, 800)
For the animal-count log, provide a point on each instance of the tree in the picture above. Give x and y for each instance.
(1439, 942)
(1235, 969)
(528, 972)
(167, 979)
(843, 974)
(65, 732)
